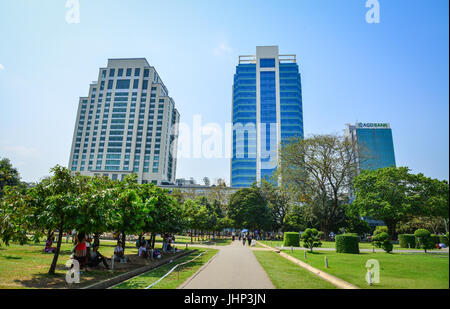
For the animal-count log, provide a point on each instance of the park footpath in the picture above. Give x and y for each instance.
(233, 267)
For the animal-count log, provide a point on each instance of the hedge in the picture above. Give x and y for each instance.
(435, 238)
(443, 239)
(347, 243)
(291, 239)
(407, 239)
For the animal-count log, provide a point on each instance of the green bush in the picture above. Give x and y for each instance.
(380, 229)
(435, 239)
(443, 239)
(291, 239)
(423, 239)
(347, 243)
(407, 240)
(311, 238)
(381, 240)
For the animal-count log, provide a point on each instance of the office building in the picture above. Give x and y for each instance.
(127, 124)
(375, 144)
(266, 112)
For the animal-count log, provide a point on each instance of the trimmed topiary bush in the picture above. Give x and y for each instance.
(347, 243)
(423, 239)
(311, 238)
(381, 240)
(407, 240)
(291, 239)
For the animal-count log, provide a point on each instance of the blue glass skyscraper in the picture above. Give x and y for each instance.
(375, 145)
(267, 111)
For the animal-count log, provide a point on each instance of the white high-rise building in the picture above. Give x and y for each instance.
(127, 124)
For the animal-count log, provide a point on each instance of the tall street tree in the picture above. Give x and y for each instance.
(317, 171)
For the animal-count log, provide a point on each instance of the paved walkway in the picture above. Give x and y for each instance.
(234, 267)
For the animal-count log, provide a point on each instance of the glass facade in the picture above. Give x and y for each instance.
(266, 98)
(376, 148)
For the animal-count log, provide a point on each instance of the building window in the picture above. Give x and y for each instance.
(267, 63)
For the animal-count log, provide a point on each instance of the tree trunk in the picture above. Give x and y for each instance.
(392, 229)
(58, 248)
(123, 242)
(153, 239)
(191, 237)
(97, 238)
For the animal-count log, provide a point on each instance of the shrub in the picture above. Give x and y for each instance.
(423, 239)
(347, 243)
(291, 239)
(435, 239)
(380, 229)
(311, 238)
(443, 239)
(407, 240)
(381, 240)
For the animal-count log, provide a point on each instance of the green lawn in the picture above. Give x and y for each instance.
(172, 281)
(286, 275)
(397, 270)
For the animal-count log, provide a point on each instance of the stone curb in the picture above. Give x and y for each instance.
(123, 277)
(332, 279)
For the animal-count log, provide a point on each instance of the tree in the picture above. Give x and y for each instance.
(311, 238)
(395, 195)
(14, 216)
(59, 210)
(247, 208)
(9, 176)
(129, 212)
(317, 171)
(278, 201)
(195, 216)
(206, 181)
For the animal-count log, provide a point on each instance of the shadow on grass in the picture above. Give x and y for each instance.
(11, 257)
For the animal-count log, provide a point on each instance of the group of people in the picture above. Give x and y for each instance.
(246, 237)
(87, 254)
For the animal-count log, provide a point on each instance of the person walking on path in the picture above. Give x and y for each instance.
(243, 240)
(249, 239)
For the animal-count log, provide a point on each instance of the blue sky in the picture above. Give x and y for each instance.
(396, 71)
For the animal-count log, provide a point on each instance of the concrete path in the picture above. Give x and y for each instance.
(233, 267)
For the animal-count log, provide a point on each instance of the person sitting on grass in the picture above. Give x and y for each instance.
(118, 252)
(96, 257)
(48, 246)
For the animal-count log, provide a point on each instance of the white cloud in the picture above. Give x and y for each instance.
(223, 48)
(2, 67)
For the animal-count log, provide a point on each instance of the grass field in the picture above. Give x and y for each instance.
(173, 280)
(286, 275)
(397, 270)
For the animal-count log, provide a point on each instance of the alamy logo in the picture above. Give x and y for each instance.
(373, 271)
(73, 274)
(73, 14)
(373, 14)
